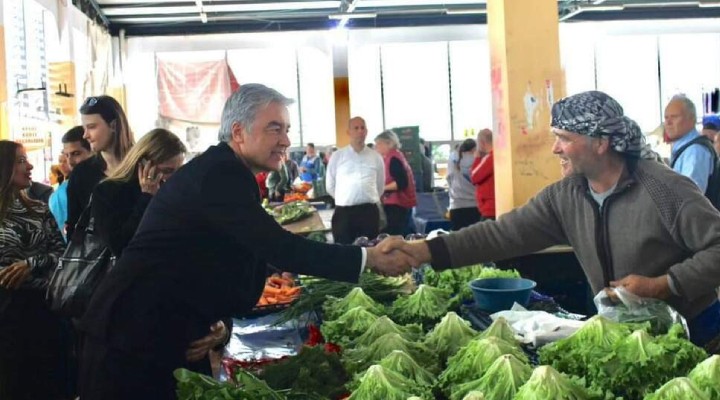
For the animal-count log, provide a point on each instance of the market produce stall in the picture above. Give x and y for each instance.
(421, 337)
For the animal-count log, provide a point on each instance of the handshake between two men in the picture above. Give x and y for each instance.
(395, 256)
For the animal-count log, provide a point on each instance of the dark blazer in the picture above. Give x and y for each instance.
(200, 253)
(83, 179)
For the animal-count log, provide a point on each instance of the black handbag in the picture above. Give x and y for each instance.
(82, 266)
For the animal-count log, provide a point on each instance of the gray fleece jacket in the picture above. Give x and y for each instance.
(655, 222)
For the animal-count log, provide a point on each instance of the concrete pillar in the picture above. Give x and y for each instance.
(526, 79)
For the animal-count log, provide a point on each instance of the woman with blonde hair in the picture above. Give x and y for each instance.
(32, 359)
(118, 203)
(108, 132)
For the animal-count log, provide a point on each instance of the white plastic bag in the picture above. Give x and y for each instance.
(635, 309)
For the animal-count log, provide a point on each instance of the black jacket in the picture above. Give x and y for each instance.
(85, 176)
(200, 254)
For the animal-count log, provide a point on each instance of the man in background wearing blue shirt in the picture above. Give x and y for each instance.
(695, 161)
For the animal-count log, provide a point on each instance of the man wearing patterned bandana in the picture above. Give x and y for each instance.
(631, 220)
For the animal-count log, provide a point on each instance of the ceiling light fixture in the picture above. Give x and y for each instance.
(466, 11)
(708, 4)
(662, 4)
(341, 16)
(203, 17)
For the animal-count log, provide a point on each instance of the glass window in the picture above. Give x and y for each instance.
(577, 56)
(689, 64)
(276, 68)
(317, 97)
(470, 84)
(627, 69)
(416, 87)
(365, 87)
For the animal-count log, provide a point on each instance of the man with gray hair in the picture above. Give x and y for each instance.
(200, 254)
(692, 154)
(632, 222)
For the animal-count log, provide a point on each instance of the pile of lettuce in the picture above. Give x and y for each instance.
(449, 335)
(400, 362)
(473, 360)
(621, 363)
(546, 383)
(706, 376)
(425, 306)
(334, 307)
(360, 358)
(678, 389)
(348, 326)
(501, 381)
(379, 382)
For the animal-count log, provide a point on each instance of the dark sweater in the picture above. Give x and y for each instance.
(85, 176)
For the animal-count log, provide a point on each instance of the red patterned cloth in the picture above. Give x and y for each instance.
(194, 91)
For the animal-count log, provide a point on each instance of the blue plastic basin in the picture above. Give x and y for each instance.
(497, 294)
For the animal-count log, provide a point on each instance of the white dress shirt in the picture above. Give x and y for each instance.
(355, 178)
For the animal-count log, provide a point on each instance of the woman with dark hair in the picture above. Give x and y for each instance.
(463, 208)
(399, 197)
(110, 137)
(31, 341)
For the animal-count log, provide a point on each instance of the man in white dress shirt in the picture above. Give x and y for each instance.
(355, 179)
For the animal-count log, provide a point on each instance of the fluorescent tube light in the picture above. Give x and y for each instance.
(466, 11)
(709, 4)
(203, 17)
(352, 15)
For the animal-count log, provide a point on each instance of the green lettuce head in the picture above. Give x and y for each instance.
(678, 389)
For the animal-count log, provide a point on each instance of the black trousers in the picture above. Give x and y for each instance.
(111, 374)
(351, 222)
(397, 219)
(462, 217)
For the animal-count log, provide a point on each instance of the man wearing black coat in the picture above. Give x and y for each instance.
(200, 254)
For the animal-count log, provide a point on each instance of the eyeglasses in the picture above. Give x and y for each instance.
(90, 101)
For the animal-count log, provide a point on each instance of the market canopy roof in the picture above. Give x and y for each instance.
(177, 17)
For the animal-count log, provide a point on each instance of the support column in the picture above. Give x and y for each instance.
(526, 79)
(342, 90)
(4, 123)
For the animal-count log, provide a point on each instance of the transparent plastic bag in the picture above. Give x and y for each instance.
(633, 309)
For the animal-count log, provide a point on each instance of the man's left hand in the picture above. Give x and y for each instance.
(643, 286)
(13, 276)
(200, 348)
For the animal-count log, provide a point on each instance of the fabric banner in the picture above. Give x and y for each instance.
(194, 91)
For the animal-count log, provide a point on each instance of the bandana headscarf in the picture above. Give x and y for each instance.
(596, 114)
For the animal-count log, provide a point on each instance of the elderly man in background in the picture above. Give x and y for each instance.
(631, 221)
(691, 154)
(356, 180)
(200, 254)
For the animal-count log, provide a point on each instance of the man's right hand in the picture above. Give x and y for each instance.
(418, 250)
(390, 263)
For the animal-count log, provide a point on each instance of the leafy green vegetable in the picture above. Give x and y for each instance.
(348, 326)
(427, 305)
(678, 389)
(380, 383)
(706, 376)
(474, 395)
(546, 383)
(292, 212)
(195, 386)
(500, 329)
(317, 290)
(384, 325)
(500, 382)
(313, 370)
(592, 341)
(639, 364)
(334, 308)
(400, 362)
(364, 356)
(449, 335)
(685, 354)
(472, 360)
